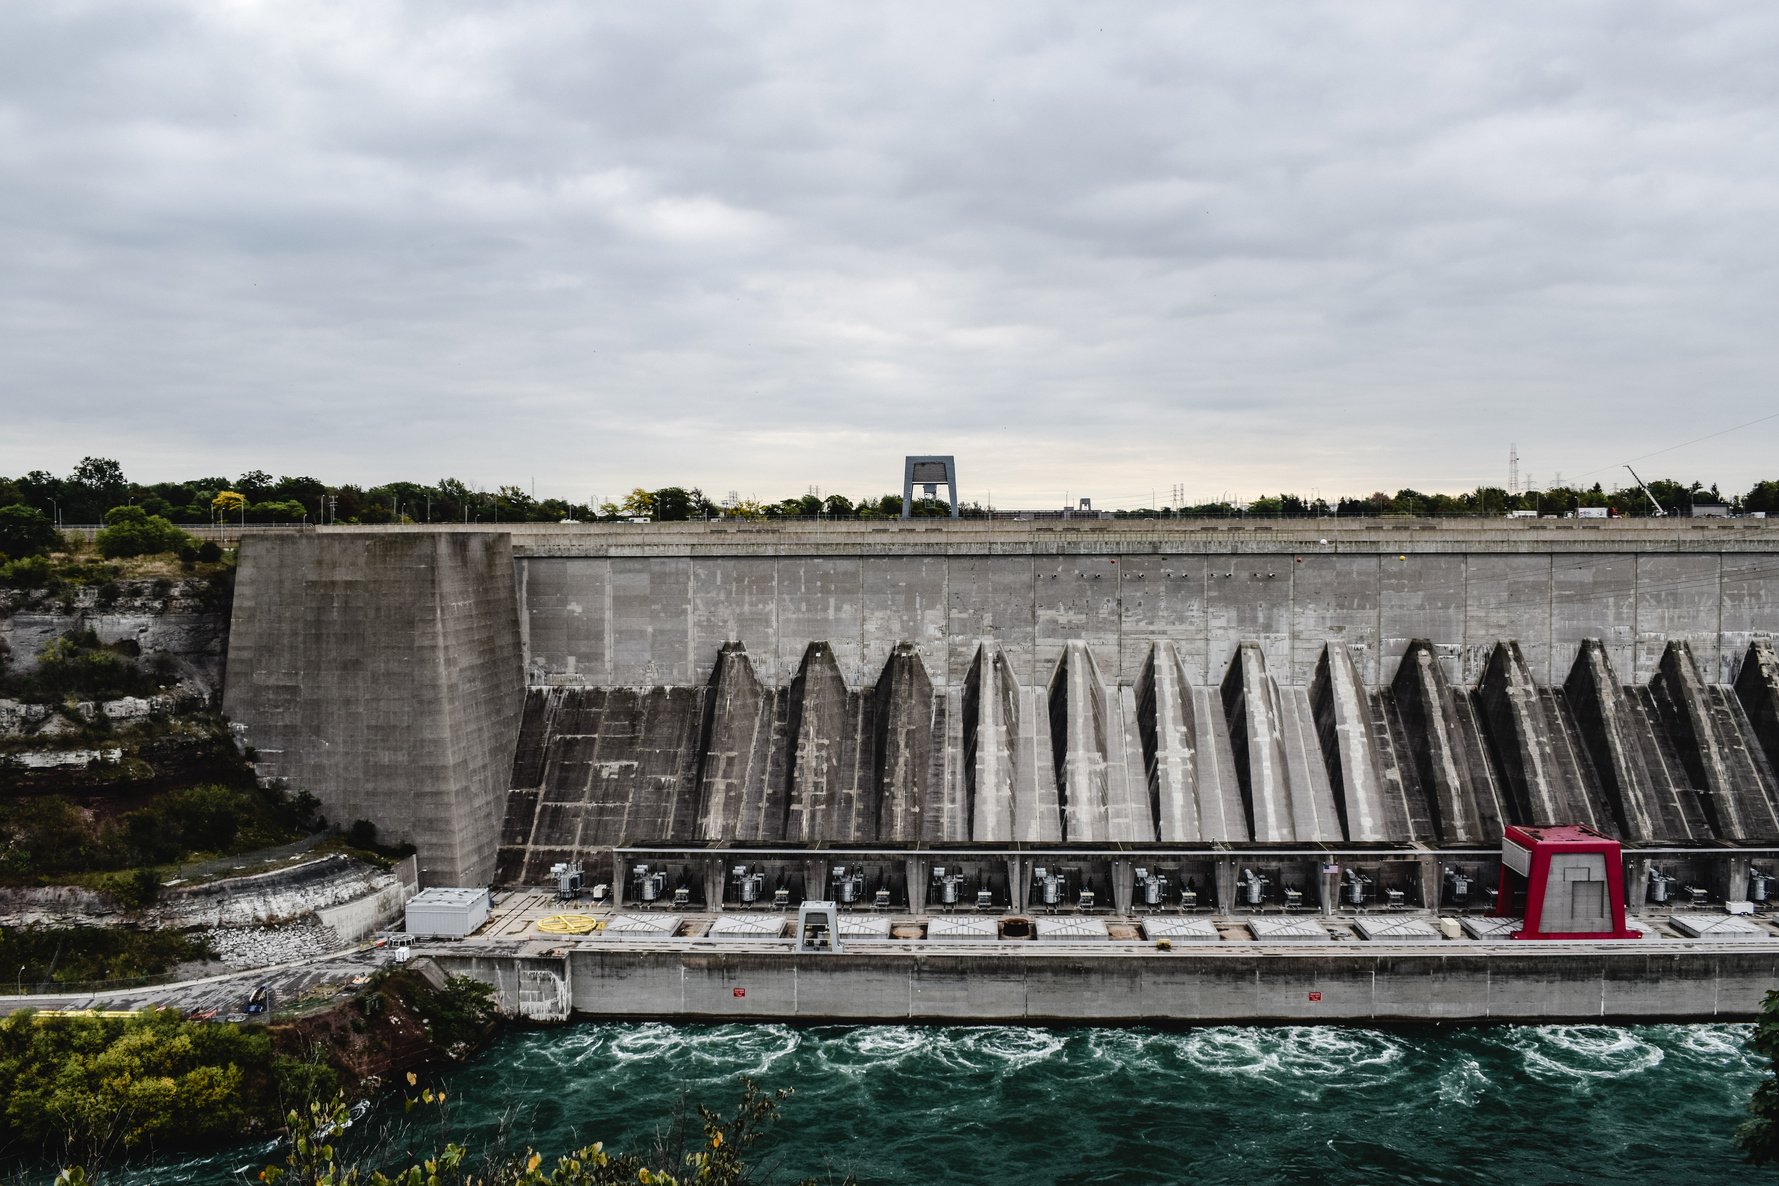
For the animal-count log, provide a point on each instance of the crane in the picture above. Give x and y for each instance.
(1659, 512)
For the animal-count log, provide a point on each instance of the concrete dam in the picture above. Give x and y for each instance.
(1189, 696)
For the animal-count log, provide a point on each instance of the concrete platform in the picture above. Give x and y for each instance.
(1182, 930)
(1728, 927)
(1491, 930)
(1071, 930)
(864, 926)
(1288, 930)
(963, 928)
(749, 926)
(1397, 930)
(641, 926)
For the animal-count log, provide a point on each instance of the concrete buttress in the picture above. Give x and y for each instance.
(1757, 687)
(1367, 811)
(1709, 730)
(1166, 722)
(1427, 707)
(740, 783)
(904, 744)
(384, 675)
(1607, 721)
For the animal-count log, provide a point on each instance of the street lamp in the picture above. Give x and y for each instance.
(55, 512)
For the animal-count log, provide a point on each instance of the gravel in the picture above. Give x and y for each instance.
(256, 947)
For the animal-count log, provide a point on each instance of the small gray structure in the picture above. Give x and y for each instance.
(1397, 930)
(1182, 930)
(1071, 930)
(448, 911)
(1490, 929)
(1291, 930)
(929, 473)
(640, 926)
(1727, 927)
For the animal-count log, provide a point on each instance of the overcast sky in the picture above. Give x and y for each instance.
(1090, 249)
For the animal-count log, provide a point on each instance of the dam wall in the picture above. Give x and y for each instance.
(381, 673)
(1030, 684)
(652, 605)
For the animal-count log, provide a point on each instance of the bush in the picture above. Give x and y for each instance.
(132, 531)
(64, 955)
(97, 1085)
(25, 532)
(78, 664)
(32, 572)
(362, 834)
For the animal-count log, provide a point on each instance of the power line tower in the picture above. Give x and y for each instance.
(1513, 469)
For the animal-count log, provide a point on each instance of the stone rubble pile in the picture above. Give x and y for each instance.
(255, 947)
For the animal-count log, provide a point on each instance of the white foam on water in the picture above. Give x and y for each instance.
(756, 1047)
(649, 1041)
(1306, 1058)
(1114, 1050)
(567, 1047)
(1582, 1053)
(995, 1049)
(875, 1047)
(1016, 1045)
(1724, 1046)
(1462, 1084)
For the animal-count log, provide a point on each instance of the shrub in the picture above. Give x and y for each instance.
(132, 531)
(362, 834)
(26, 532)
(78, 664)
(31, 572)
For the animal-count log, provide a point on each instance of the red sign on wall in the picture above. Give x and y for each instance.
(741, 992)
(1314, 996)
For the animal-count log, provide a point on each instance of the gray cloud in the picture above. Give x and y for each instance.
(1095, 249)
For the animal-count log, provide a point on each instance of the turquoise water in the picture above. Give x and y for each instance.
(1531, 1104)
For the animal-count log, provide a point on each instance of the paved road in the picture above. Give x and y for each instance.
(309, 979)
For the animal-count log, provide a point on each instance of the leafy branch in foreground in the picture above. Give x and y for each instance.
(718, 1160)
(1759, 1137)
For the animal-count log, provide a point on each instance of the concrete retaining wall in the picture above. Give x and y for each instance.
(1151, 988)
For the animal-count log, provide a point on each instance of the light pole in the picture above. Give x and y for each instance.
(55, 513)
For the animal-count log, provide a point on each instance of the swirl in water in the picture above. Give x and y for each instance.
(1582, 1052)
(648, 1041)
(1303, 1058)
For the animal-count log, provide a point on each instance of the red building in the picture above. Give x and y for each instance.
(1572, 878)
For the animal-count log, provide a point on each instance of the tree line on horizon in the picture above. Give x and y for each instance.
(97, 487)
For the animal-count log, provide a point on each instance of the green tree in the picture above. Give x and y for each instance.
(714, 1154)
(639, 504)
(103, 1085)
(96, 483)
(288, 511)
(672, 504)
(1759, 1137)
(26, 532)
(132, 531)
(1764, 497)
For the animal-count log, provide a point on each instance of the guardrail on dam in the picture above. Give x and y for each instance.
(1139, 686)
